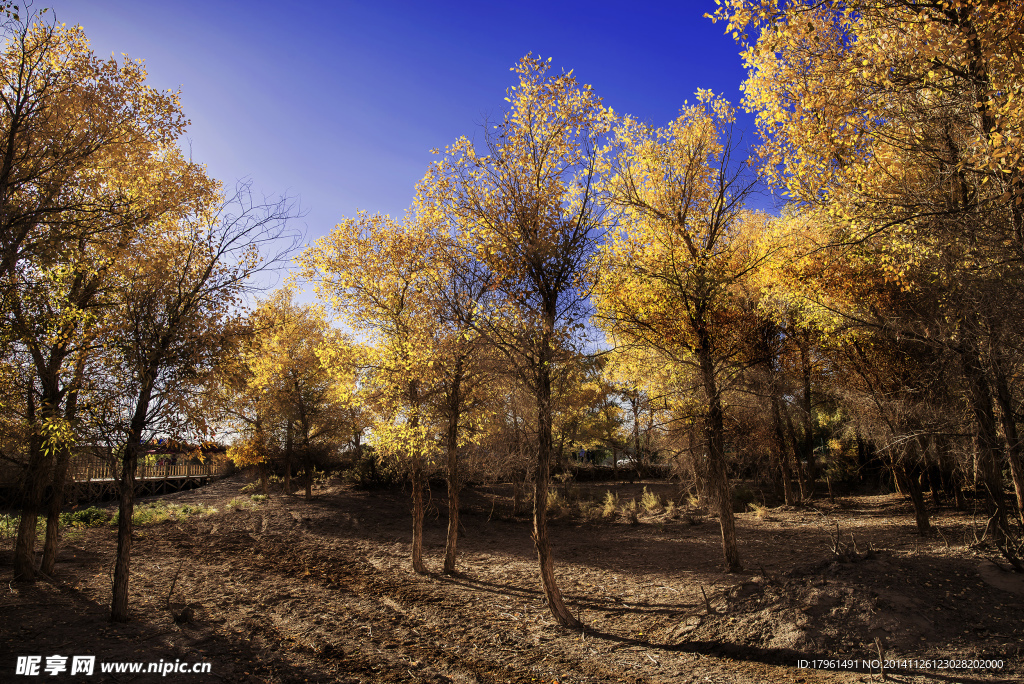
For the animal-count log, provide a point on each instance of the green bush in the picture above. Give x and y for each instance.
(368, 473)
(86, 517)
(159, 511)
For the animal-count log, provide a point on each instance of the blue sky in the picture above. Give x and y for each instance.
(339, 103)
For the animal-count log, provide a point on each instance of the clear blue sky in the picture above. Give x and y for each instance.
(340, 103)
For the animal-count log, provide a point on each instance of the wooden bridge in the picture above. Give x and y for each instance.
(96, 481)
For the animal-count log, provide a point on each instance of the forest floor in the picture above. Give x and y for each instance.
(289, 590)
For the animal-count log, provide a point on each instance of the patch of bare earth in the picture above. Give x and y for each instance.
(322, 591)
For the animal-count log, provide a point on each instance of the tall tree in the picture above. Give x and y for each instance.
(87, 157)
(375, 272)
(685, 242)
(531, 214)
(275, 387)
(288, 368)
(70, 123)
(900, 120)
(176, 288)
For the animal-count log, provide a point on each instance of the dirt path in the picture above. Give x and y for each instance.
(321, 591)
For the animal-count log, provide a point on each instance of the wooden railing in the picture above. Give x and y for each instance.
(101, 471)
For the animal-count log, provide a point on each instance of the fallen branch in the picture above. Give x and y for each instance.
(707, 604)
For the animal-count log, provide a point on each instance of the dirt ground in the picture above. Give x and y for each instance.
(290, 590)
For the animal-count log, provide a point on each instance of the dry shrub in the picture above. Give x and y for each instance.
(651, 502)
(760, 512)
(591, 511)
(631, 511)
(611, 505)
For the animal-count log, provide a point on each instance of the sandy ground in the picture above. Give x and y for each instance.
(290, 590)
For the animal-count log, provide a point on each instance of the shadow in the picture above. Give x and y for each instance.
(576, 601)
(53, 617)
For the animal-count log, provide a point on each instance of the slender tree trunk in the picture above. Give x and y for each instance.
(634, 403)
(308, 465)
(60, 476)
(800, 475)
(1013, 457)
(417, 515)
(935, 484)
(288, 440)
(780, 449)
(862, 456)
(714, 427)
(986, 442)
(454, 483)
(808, 419)
(418, 483)
(958, 491)
(540, 499)
(126, 504)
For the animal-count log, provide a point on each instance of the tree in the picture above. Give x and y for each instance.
(175, 290)
(70, 126)
(900, 120)
(376, 274)
(531, 214)
(274, 383)
(670, 272)
(85, 160)
(288, 371)
(458, 288)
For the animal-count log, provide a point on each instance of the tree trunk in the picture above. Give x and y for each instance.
(125, 511)
(935, 484)
(417, 515)
(540, 499)
(780, 449)
(910, 484)
(288, 458)
(126, 502)
(54, 506)
(454, 484)
(634, 403)
(309, 474)
(35, 487)
(800, 475)
(718, 482)
(986, 443)
(1013, 457)
(60, 476)
(811, 469)
(958, 490)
